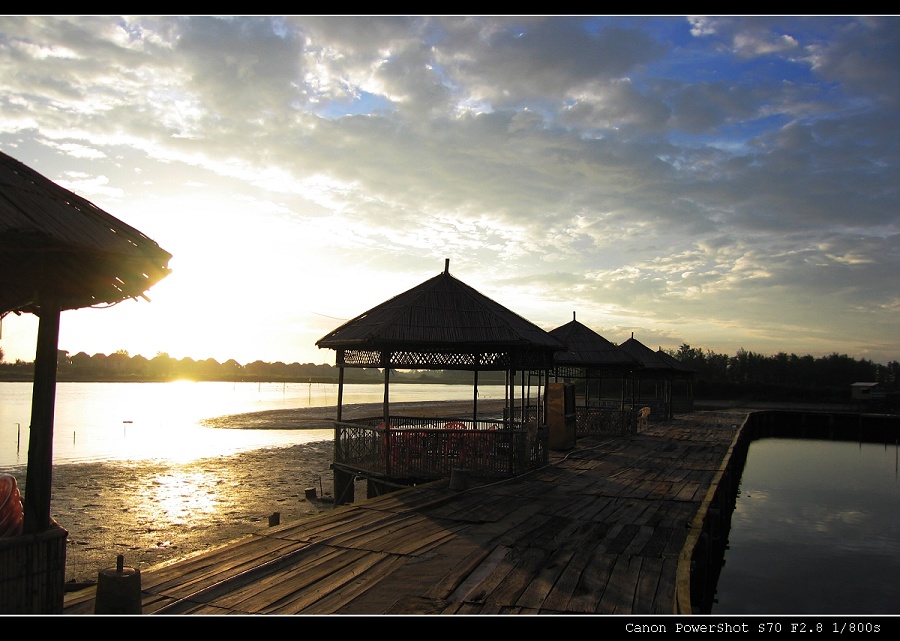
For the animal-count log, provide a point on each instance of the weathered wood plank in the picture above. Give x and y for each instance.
(618, 598)
(601, 529)
(591, 584)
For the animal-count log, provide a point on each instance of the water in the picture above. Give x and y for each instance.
(137, 421)
(815, 530)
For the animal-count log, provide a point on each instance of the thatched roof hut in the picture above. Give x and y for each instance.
(650, 361)
(59, 251)
(590, 357)
(442, 323)
(654, 369)
(587, 349)
(683, 398)
(679, 368)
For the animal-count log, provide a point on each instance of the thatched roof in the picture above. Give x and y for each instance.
(426, 325)
(588, 349)
(675, 364)
(650, 361)
(54, 242)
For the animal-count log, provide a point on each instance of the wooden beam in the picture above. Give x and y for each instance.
(36, 505)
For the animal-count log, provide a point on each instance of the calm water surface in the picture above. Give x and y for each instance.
(134, 421)
(816, 530)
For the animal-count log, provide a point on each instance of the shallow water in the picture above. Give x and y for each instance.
(138, 421)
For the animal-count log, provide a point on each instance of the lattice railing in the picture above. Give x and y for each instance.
(602, 421)
(607, 419)
(417, 449)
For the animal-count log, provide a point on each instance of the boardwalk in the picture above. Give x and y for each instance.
(605, 528)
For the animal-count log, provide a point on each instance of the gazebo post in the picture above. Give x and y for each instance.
(386, 412)
(344, 490)
(386, 409)
(475, 394)
(340, 398)
(36, 504)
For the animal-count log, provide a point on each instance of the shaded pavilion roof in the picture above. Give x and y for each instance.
(675, 364)
(650, 361)
(442, 323)
(56, 242)
(585, 348)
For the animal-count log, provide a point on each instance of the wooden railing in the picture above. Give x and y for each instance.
(415, 449)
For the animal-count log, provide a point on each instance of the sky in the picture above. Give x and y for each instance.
(726, 182)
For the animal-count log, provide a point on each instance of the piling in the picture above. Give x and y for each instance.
(118, 590)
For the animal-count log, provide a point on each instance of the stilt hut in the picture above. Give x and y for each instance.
(682, 383)
(58, 251)
(650, 385)
(441, 324)
(600, 371)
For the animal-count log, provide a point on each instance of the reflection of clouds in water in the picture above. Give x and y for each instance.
(824, 520)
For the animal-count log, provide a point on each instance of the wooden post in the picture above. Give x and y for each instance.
(386, 406)
(344, 487)
(340, 398)
(475, 393)
(36, 505)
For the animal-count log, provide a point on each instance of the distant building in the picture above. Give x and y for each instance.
(867, 391)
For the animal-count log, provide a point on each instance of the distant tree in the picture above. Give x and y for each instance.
(162, 365)
(139, 366)
(118, 362)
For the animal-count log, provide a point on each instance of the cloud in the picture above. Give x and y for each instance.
(721, 181)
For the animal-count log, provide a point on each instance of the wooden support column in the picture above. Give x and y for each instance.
(340, 398)
(386, 359)
(475, 394)
(38, 478)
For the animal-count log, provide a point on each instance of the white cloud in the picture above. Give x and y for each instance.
(719, 181)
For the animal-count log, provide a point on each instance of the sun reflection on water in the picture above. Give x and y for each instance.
(180, 498)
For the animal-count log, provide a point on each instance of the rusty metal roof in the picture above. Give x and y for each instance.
(56, 243)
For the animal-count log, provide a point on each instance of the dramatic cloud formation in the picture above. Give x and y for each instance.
(725, 182)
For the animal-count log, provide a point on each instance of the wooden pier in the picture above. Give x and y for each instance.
(612, 526)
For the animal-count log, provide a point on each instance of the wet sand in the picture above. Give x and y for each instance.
(153, 512)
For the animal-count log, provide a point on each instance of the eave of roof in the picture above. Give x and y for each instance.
(54, 243)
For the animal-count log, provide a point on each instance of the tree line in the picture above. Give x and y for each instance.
(120, 366)
(746, 375)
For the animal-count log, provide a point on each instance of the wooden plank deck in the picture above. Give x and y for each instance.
(605, 528)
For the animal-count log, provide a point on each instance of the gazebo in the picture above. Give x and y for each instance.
(589, 359)
(441, 324)
(682, 383)
(58, 252)
(651, 383)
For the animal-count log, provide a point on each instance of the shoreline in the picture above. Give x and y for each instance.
(155, 512)
(316, 418)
